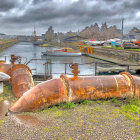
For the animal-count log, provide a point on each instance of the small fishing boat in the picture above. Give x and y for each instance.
(44, 45)
(36, 43)
(62, 52)
(137, 42)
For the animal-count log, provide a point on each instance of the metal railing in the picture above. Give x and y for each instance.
(96, 67)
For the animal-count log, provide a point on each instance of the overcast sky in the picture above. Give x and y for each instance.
(20, 16)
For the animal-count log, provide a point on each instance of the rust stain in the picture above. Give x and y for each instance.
(75, 70)
(21, 75)
(5, 67)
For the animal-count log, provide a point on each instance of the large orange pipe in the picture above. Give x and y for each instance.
(66, 89)
(21, 79)
(5, 67)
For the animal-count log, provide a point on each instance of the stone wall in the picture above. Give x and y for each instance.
(117, 56)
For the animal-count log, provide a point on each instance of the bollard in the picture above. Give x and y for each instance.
(65, 89)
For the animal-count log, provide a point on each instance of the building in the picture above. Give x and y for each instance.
(75, 38)
(138, 35)
(71, 41)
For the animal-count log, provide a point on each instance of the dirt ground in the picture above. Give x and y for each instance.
(90, 120)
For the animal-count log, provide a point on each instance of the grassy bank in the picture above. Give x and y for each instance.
(7, 94)
(121, 48)
(6, 44)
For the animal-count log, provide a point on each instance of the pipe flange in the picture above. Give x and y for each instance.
(17, 66)
(132, 81)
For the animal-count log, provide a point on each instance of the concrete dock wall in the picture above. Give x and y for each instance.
(116, 56)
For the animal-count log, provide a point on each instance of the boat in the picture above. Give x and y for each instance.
(137, 43)
(36, 43)
(44, 45)
(115, 44)
(62, 52)
(128, 45)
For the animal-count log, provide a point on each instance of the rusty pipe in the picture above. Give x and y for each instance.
(21, 79)
(5, 67)
(66, 89)
(21, 76)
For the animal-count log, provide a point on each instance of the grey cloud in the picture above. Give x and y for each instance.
(74, 15)
(7, 5)
(40, 1)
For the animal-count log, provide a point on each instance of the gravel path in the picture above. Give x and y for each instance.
(85, 122)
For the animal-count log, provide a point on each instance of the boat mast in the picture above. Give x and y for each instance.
(34, 34)
(122, 27)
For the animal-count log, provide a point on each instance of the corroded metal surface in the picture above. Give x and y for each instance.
(21, 79)
(136, 87)
(66, 90)
(75, 70)
(15, 58)
(21, 75)
(2, 61)
(5, 67)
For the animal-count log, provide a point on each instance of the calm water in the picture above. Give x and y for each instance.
(28, 51)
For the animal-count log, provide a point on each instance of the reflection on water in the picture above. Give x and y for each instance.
(28, 120)
(27, 50)
(4, 105)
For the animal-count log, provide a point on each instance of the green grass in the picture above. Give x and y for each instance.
(5, 46)
(46, 129)
(131, 110)
(134, 102)
(87, 102)
(7, 94)
(1, 122)
(69, 105)
(114, 100)
(118, 48)
(122, 48)
(133, 49)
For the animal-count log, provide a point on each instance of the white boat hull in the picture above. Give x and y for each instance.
(50, 53)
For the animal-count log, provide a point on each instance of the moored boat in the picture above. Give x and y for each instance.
(36, 43)
(62, 52)
(137, 42)
(44, 45)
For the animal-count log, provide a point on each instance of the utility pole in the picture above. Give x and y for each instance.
(34, 33)
(122, 27)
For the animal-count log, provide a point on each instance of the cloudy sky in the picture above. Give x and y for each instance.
(20, 16)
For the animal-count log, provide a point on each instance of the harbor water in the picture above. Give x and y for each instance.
(28, 51)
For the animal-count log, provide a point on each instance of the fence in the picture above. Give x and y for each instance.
(50, 69)
(47, 68)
